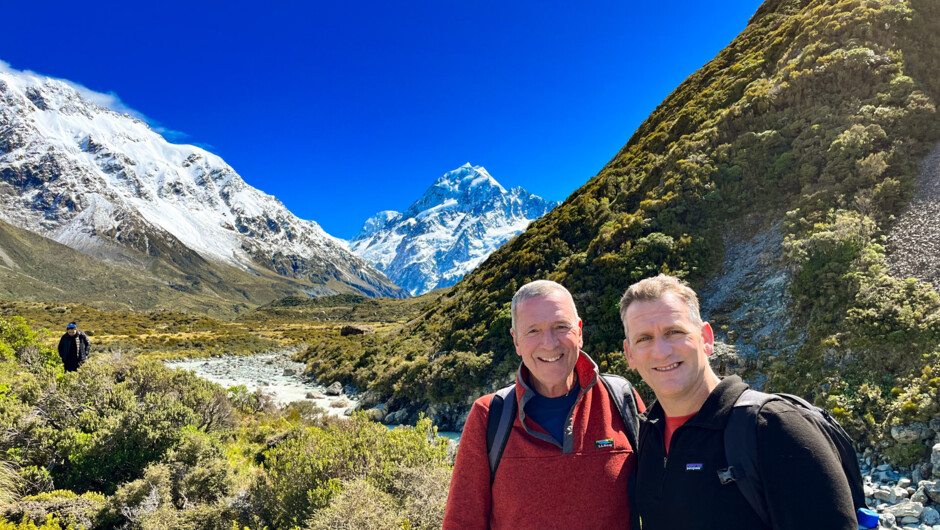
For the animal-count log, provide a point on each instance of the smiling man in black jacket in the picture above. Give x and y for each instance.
(681, 446)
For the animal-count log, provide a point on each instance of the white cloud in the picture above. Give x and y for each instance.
(203, 145)
(109, 100)
(169, 134)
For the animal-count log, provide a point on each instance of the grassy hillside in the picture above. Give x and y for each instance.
(289, 323)
(343, 308)
(820, 111)
(33, 267)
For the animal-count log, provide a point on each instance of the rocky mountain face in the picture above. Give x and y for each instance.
(106, 184)
(459, 221)
(913, 243)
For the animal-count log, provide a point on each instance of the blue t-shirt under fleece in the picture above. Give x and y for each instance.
(551, 413)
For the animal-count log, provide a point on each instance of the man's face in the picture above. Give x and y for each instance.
(548, 337)
(667, 348)
(71, 331)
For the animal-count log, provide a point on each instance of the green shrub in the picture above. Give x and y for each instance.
(66, 507)
(358, 506)
(303, 471)
(904, 455)
(50, 523)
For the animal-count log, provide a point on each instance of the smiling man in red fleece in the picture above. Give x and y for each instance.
(567, 459)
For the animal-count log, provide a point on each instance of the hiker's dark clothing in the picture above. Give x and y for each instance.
(803, 481)
(73, 350)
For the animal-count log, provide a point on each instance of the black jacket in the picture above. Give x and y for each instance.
(802, 477)
(73, 354)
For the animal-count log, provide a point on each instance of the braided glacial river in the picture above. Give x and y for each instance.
(275, 374)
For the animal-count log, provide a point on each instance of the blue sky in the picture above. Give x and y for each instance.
(343, 109)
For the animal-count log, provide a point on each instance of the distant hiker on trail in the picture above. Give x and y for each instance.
(686, 476)
(564, 459)
(73, 347)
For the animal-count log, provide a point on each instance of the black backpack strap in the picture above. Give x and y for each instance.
(621, 392)
(741, 450)
(499, 424)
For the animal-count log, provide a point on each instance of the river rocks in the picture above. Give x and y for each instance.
(885, 473)
(398, 417)
(282, 380)
(369, 399)
(334, 389)
(935, 461)
(339, 402)
(890, 494)
(932, 489)
(930, 516)
(447, 417)
(906, 509)
(905, 434)
(376, 413)
(934, 425)
(887, 496)
(924, 471)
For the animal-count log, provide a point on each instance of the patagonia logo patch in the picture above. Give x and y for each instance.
(604, 444)
(693, 467)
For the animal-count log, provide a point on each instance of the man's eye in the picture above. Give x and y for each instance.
(642, 339)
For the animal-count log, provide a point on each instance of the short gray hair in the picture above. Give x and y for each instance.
(655, 288)
(538, 288)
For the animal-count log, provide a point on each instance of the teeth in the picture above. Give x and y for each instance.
(672, 366)
(551, 359)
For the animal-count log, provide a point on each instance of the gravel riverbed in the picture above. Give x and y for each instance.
(274, 374)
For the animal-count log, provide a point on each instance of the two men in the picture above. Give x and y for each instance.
(567, 460)
(73, 347)
(682, 449)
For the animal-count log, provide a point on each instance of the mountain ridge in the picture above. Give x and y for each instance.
(108, 185)
(456, 223)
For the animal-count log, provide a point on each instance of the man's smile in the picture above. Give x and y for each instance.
(669, 368)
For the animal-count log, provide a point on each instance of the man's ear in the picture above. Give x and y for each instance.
(514, 341)
(708, 338)
(626, 353)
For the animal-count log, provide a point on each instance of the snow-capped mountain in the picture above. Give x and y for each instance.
(459, 221)
(106, 184)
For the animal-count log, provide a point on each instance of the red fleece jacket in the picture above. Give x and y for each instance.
(539, 483)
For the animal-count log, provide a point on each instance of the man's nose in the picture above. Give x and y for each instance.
(548, 338)
(661, 348)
